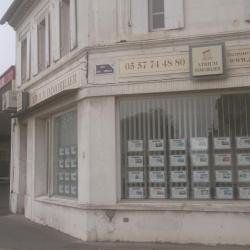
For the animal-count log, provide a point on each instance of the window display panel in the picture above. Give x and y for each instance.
(185, 147)
(65, 154)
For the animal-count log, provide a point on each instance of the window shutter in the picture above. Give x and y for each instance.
(18, 64)
(174, 14)
(28, 56)
(56, 30)
(47, 43)
(34, 54)
(139, 16)
(73, 27)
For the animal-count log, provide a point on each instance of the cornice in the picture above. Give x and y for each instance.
(17, 12)
(172, 41)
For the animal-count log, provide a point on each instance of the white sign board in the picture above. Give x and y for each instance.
(207, 60)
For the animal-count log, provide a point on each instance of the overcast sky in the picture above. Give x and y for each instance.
(7, 40)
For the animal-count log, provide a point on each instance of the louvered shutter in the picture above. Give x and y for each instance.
(28, 56)
(73, 26)
(139, 16)
(174, 14)
(47, 41)
(34, 54)
(56, 30)
(18, 64)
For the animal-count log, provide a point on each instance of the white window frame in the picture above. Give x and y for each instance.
(56, 37)
(45, 16)
(20, 79)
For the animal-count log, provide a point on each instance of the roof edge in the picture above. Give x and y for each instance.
(10, 11)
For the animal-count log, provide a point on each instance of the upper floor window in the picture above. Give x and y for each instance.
(23, 58)
(24, 65)
(41, 45)
(156, 14)
(151, 15)
(64, 34)
(65, 27)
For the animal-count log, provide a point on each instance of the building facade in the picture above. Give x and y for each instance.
(137, 125)
(6, 83)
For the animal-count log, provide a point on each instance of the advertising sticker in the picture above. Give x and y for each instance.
(136, 193)
(223, 175)
(135, 145)
(201, 176)
(199, 160)
(222, 143)
(222, 159)
(201, 192)
(156, 161)
(243, 159)
(224, 193)
(157, 176)
(178, 176)
(177, 144)
(199, 143)
(135, 161)
(178, 160)
(135, 176)
(157, 192)
(179, 192)
(156, 145)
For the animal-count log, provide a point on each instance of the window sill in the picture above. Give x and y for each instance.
(155, 205)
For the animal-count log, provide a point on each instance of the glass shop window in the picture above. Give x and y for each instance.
(65, 154)
(186, 147)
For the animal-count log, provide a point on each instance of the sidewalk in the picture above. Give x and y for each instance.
(17, 233)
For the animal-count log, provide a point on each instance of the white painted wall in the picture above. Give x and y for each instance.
(102, 22)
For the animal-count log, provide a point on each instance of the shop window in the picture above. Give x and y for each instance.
(65, 169)
(24, 51)
(41, 45)
(65, 27)
(186, 147)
